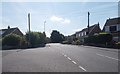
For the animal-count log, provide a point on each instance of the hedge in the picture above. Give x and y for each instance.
(102, 38)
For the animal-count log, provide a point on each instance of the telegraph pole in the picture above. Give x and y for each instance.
(88, 22)
(29, 25)
(29, 21)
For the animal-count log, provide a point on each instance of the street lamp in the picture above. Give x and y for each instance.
(44, 25)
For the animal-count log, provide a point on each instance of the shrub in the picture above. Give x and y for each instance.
(65, 42)
(23, 43)
(36, 38)
(102, 38)
(77, 42)
(118, 43)
(11, 40)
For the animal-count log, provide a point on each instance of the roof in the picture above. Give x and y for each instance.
(112, 21)
(8, 31)
(90, 28)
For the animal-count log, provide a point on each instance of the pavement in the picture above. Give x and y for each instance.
(57, 57)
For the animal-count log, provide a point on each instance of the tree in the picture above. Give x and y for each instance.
(56, 37)
(36, 38)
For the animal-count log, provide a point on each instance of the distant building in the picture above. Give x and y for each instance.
(93, 30)
(71, 38)
(113, 26)
(4, 32)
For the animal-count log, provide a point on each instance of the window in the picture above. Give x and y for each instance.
(118, 27)
(85, 33)
(107, 29)
(82, 34)
(113, 28)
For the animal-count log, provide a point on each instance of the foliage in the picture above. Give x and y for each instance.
(56, 37)
(77, 42)
(48, 40)
(36, 38)
(65, 42)
(23, 42)
(102, 38)
(11, 40)
(118, 43)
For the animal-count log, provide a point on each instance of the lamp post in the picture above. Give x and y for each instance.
(44, 25)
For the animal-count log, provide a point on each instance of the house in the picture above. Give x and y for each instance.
(71, 38)
(93, 30)
(112, 26)
(4, 32)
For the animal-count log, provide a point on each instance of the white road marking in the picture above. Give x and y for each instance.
(82, 68)
(108, 57)
(74, 62)
(69, 58)
(65, 55)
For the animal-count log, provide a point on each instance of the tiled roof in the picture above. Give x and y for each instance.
(8, 31)
(112, 21)
(86, 29)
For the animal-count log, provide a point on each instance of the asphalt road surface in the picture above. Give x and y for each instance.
(60, 58)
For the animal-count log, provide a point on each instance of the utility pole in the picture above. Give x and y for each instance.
(88, 23)
(29, 25)
(29, 21)
(44, 25)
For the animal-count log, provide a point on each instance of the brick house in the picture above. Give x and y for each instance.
(112, 26)
(4, 32)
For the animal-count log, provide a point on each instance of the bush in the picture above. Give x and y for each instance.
(11, 40)
(102, 38)
(77, 42)
(36, 38)
(65, 42)
(118, 44)
(23, 43)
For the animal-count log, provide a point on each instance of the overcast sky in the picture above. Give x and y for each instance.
(66, 17)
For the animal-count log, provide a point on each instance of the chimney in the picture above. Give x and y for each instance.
(98, 24)
(8, 27)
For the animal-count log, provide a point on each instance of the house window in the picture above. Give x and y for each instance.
(85, 33)
(79, 34)
(107, 29)
(113, 28)
(118, 27)
(82, 34)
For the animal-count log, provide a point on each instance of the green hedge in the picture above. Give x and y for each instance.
(36, 38)
(11, 40)
(102, 38)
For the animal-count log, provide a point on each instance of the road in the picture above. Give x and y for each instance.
(60, 58)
